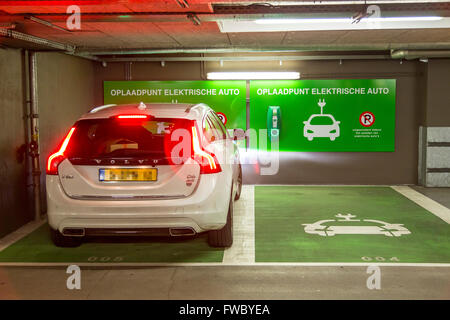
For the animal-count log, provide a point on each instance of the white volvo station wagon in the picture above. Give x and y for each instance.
(144, 169)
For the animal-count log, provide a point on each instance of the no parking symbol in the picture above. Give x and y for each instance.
(366, 119)
(222, 117)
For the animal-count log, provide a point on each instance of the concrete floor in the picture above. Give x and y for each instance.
(232, 282)
(440, 195)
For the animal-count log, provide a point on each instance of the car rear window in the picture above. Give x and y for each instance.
(117, 138)
(321, 120)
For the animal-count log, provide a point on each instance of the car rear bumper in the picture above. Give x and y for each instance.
(206, 209)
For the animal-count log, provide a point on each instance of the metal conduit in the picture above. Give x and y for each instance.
(35, 40)
(254, 58)
(418, 54)
(66, 48)
(368, 47)
(34, 144)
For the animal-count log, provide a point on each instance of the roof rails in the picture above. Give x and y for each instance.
(195, 106)
(188, 109)
(143, 106)
(102, 107)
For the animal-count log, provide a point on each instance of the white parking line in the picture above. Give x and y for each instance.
(222, 264)
(23, 231)
(243, 249)
(435, 208)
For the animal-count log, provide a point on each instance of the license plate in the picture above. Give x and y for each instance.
(137, 174)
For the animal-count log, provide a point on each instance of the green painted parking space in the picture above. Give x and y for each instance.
(373, 224)
(304, 224)
(38, 248)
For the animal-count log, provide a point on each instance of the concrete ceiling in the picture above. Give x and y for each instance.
(122, 24)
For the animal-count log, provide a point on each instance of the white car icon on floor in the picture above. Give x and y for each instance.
(355, 226)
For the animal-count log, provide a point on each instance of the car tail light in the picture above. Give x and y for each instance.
(132, 116)
(56, 158)
(207, 160)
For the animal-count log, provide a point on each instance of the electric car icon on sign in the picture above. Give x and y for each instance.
(321, 125)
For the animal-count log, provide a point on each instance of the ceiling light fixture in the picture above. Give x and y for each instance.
(349, 20)
(332, 23)
(258, 75)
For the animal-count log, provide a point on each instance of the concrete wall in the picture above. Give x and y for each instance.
(434, 164)
(65, 92)
(438, 93)
(14, 209)
(399, 167)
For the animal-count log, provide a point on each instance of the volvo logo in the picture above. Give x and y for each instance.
(98, 161)
(141, 161)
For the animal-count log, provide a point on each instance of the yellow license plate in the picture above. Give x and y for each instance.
(136, 174)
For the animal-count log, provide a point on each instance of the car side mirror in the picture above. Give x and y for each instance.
(305, 122)
(338, 122)
(238, 134)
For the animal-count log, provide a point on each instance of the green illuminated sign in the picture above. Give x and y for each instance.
(311, 115)
(225, 97)
(328, 115)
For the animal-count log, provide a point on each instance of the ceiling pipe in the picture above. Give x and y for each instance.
(8, 25)
(419, 54)
(204, 17)
(85, 56)
(35, 133)
(66, 48)
(328, 47)
(46, 23)
(257, 58)
(251, 11)
(185, 50)
(182, 3)
(232, 9)
(36, 40)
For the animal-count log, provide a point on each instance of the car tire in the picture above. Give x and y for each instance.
(223, 237)
(62, 241)
(239, 187)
